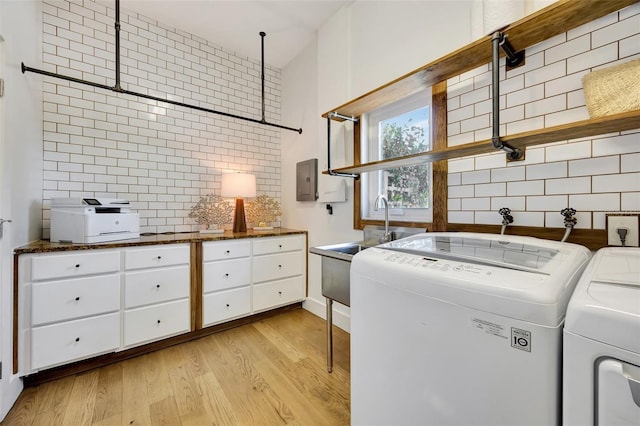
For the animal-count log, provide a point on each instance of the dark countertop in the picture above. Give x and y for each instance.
(45, 246)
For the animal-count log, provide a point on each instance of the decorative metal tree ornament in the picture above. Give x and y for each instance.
(263, 211)
(212, 210)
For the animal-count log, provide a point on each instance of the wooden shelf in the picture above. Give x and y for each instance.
(555, 19)
(579, 129)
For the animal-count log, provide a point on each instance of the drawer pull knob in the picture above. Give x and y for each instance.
(157, 285)
(280, 245)
(159, 257)
(279, 266)
(228, 305)
(77, 339)
(158, 321)
(77, 265)
(77, 298)
(226, 275)
(280, 293)
(227, 252)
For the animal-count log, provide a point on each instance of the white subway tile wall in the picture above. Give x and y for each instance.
(161, 157)
(592, 175)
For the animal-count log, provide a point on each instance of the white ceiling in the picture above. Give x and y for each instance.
(236, 24)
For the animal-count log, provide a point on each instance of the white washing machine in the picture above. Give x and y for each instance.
(602, 342)
(460, 329)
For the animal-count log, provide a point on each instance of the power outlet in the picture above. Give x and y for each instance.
(629, 222)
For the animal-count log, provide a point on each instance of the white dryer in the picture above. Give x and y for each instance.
(602, 343)
(460, 329)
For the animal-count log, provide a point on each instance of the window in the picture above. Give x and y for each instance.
(402, 128)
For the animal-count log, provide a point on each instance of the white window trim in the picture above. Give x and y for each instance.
(371, 181)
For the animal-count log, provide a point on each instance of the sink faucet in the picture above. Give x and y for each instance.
(387, 235)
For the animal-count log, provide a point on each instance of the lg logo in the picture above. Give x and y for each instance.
(521, 339)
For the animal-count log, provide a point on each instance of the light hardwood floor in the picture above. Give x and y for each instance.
(271, 372)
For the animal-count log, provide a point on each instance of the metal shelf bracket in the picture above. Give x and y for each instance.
(498, 40)
(329, 170)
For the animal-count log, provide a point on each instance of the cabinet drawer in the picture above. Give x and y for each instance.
(74, 298)
(224, 305)
(277, 293)
(74, 264)
(157, 321)
(226, 274)
(156, 285)
(219, 250)
(276, 266)
(277, 245)
(74, 340)
(155, 256)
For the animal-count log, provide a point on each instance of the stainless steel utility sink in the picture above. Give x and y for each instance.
(336, 265)
(344, 251)
(336, 261)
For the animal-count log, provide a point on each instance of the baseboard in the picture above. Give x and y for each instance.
(318, 308)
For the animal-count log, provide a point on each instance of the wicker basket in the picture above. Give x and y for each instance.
(613, 90)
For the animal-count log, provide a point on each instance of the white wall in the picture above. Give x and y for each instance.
(161, 157)
(361, 47)
(323, 228)
(21, 167)
(367, 44)
(391, 38)
(593, 175)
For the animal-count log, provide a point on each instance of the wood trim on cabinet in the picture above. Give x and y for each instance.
(196, 286)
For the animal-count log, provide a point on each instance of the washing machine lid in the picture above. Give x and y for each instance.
(531, 255)
(519, 277)
(606, 302)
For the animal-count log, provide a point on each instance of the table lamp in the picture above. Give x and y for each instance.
(239, 185)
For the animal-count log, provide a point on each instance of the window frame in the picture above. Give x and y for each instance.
(439, 168)
(370, 151)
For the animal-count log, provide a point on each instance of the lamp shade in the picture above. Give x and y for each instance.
(238, 185)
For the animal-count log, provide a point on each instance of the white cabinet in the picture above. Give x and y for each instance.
(70, 306)
(74, 264)
(226, 280)
(279, 271)
(223, 305)
(61, 300)
(155, 322)
(251, 275)
(156, 293)
(80, 303)
(68, 341)
(277, 293)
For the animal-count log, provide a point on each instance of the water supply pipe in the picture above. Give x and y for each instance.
(506, 218)
(569, 221)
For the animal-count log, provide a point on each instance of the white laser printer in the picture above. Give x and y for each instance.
(92, 220)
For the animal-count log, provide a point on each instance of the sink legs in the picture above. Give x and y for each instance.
(329, 334)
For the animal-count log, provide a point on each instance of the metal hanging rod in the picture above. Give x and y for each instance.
(344, 117)
(512, 153)
(117, 87)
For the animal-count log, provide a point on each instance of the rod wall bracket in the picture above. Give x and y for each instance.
(513, 58)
